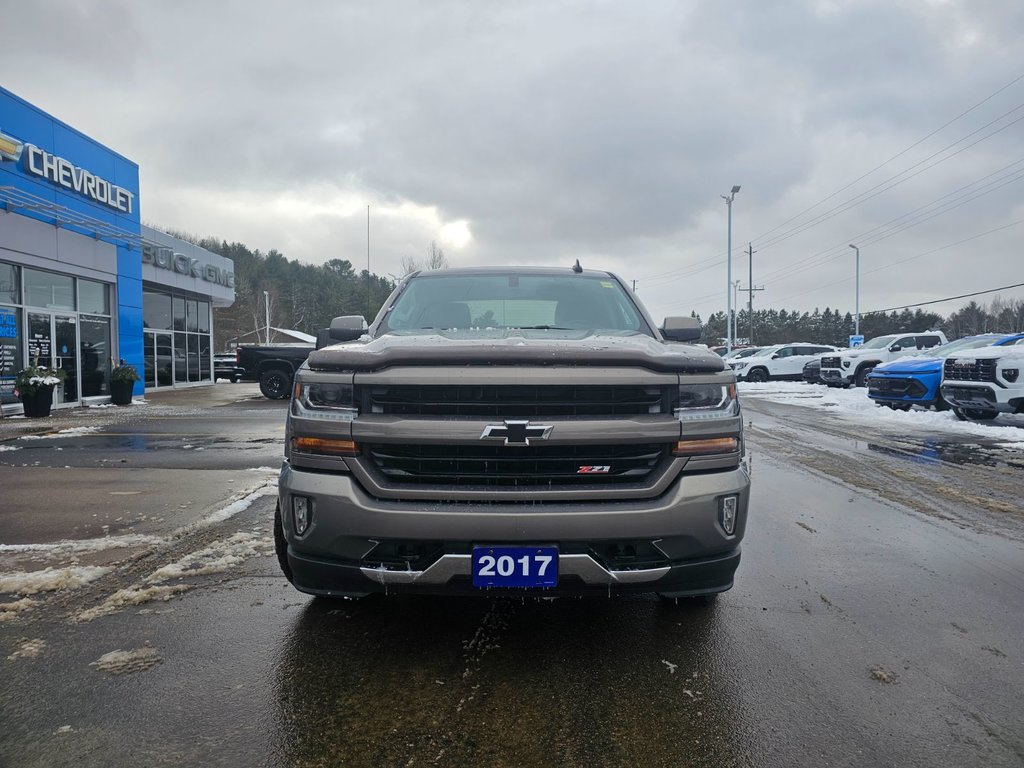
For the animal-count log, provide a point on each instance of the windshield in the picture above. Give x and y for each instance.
(513, 300)
(881, 341)
(955, 346)
(739, 353)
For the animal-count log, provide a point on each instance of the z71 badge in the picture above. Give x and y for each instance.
(594, 470)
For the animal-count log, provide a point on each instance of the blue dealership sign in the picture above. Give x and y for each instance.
(9, 352)
(856, 341)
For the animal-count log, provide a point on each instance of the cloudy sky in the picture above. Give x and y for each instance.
(541, 132)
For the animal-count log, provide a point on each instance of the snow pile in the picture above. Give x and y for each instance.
(854, 405)
(216, 558)
(240, 504)
(28, 649)
(125, 662)
(10, 611)
(73, 546)
(131, 596)
(50, 579)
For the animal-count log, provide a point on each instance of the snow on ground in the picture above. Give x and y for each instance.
(70, 432)
(855, 405)
(50, 579)
(9, 448)
(131, 596)
(28, 649)
(10, 611)
(216, 558)
(124, 662)
(72, 546)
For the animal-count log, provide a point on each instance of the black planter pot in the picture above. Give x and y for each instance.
(121, 392)
(38, 404)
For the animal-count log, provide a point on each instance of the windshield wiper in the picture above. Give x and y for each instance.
(542, 328)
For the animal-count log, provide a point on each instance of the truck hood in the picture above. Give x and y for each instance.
(515, 347)
(912, 365)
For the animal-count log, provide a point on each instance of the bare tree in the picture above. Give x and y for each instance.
(435, 260)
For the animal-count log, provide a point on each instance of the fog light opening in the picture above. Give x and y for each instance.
(728, 506)
(302, 513)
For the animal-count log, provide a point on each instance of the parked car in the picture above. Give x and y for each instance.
(984, 383)
(812, 372)
(852, 366)
(915, 380)
(225, 366)
(272, 365)
(739, 354)
(782, 361)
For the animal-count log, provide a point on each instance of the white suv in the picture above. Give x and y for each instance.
(852, 366)
(982, 383)
(783, 361)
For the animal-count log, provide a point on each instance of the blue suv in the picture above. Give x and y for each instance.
(915, 380)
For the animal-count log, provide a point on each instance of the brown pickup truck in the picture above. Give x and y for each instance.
(513, 429)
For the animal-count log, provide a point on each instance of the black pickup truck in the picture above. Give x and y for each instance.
(272, 365)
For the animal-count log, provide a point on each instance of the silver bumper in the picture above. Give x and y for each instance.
(588, 570)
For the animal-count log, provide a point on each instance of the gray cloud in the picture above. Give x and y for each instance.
(556, 130)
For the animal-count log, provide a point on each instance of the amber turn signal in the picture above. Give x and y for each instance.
(707, 446)
(324, 446)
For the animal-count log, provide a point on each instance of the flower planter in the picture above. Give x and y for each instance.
(39, 403)
(121, 392)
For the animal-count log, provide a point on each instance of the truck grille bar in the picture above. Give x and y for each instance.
(507, 466)
(517, 401)
(976, 370)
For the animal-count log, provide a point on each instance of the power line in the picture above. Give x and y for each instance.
(951, 298)
(897, 155)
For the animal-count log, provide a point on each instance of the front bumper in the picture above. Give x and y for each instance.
(340, 553)
(987, 397)
(835, 377)
(903, 388)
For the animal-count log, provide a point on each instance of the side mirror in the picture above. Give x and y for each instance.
(775, 356)
(895, 348)
(681, 329)
(347, 328)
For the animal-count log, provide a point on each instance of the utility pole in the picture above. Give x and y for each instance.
(728, 272)
(368, 318)
(751, 289)
(266, 307)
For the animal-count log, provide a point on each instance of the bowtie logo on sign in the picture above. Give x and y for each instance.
(10, 148)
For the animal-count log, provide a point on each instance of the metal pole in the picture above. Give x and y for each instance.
(728, 260)
(750, 292)
(266, 306)
(368, 318)
(856, 320)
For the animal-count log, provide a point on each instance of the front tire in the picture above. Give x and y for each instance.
(275, 384)
(281, 545)
(757, 376)
(862, 375)
(975, 414)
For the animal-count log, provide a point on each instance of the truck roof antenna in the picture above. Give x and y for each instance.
(576, 267)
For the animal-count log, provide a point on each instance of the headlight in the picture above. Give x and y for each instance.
(321, 400)
(739, 366)
(706, 401)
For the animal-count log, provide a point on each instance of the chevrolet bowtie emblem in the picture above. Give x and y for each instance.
(10, 148)
(516, 432)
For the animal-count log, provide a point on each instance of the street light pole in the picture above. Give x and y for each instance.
(728, 260)
(856, 327)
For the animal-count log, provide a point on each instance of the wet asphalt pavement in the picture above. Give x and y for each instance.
(876, 619)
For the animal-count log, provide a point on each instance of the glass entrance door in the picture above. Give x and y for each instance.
(53, 342)
(159, 355)
(65, 355)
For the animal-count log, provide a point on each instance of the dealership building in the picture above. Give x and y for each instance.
(82, 283)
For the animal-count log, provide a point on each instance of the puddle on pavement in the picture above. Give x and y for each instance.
(934, 451)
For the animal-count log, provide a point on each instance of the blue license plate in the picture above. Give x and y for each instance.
(515, 566)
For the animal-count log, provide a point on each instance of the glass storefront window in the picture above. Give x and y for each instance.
(10, 284)
(45, 289)
(204, 317)
(179, 314)
(193, 314)
(93, 297)
(156, 310)
(180, 356)
(10, 350)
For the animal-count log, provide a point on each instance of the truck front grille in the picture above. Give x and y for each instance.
(517, 401)
(509, 466)
(970, 370)
(830, 362)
